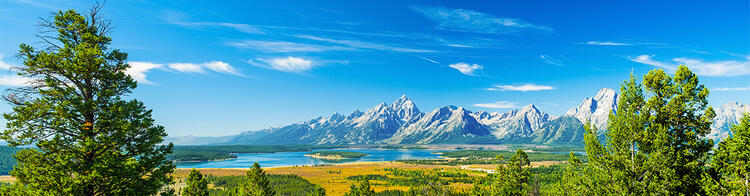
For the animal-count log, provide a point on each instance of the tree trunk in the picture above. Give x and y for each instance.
(747, 189)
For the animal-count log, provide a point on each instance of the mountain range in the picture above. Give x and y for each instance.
(401, 122)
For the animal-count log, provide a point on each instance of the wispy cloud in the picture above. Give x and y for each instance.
(138, 70)
(474, 21)
(549, 60)
(522, 87)
(699, 66)
(35, 3)
(13, 80)
(221, 67)
(186, 67)
(357, 44)
(607, 43)
(288, 64)
(180, 18)
(747, 88)
(465, 68)
(3, 64)
(497, 105)
(283, 46)
(428, 59)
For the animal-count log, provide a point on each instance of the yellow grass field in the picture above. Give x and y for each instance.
(334, 182)
(333, 177)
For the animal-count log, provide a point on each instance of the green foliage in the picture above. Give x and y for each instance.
(196, 184)
(430, 189)
(362, 188)
(339, 154)
(286, 185)
(18, 189)
(512, 177)
(89, 140)
(6, 159)
(655, 143)
(256, 183)
(732, 163)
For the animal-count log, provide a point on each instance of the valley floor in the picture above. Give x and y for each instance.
(336, 178)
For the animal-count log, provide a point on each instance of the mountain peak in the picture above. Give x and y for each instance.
(605, 93)
(403, 100)
(596, 109)
(529, 107)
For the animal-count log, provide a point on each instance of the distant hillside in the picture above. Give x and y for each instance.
(401, 122)
(6, 159)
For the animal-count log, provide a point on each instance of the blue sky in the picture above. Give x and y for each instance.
(209, 68)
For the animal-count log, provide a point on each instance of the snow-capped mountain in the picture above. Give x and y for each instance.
(403, 123)
(448, 124)
(514, 123)
(596, 109)
(727, 115)
(563, 130)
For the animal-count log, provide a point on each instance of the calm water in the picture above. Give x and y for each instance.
(299, 158)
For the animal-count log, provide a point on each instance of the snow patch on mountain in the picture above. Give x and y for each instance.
(596, 109)
(727, 116)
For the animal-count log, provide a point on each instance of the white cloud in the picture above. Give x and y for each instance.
(700, 67)
(137, 70)
(497, 105)
(186, 67)
(465, 68)
(523, 87)
(288, 64)
(239, 27)
(733, 89)
(474, 21)
(283, 46)
(356, 44)
(3, 64)
(13, 81)
(607, 43)
(549, 60)
(428, 59)
(221, 67)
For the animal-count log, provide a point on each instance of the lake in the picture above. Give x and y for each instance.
(298, 158)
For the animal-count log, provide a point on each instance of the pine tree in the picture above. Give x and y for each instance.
(512, 177)
(655, 144)
(196, 184)
(732, 161)
(89, 140)
(256, 183)
(362, 189)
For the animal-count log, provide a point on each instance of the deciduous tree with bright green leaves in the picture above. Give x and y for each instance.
(656, 138)
(256, 183)
(195, 184)
(732, 162)
(89, 139)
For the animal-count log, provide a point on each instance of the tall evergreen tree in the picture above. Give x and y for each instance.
(512, 177)
(256, 183)
(196, 184)
(655, 143)
(732, 161)
(89, 140)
